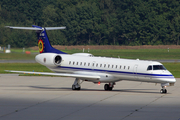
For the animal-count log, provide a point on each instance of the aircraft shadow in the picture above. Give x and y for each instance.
(84, 89)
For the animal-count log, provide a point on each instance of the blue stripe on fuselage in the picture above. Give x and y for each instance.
(110, 71)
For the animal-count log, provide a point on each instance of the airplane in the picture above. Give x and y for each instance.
(86, 67)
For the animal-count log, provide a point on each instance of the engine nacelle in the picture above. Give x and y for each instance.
(49, 59)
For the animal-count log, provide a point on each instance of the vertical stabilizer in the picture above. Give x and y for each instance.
(44, 44)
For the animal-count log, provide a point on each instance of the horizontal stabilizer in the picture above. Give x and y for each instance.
(24, 28)
(43, 41)
(82, 76)
(54, 28)
(36, 28)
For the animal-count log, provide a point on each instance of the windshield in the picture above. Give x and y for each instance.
(149, 67)
(158, 67)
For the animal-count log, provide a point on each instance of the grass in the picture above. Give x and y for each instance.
(20, 50)
(143, 54)
(16, 56)
(23, 67)
(172, 67)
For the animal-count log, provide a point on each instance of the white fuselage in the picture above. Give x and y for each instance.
(109, 69)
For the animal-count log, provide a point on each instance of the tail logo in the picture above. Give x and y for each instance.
(41, 46)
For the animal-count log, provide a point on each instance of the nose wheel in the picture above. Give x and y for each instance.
(163, 91)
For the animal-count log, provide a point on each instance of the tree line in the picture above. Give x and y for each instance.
(92, 22)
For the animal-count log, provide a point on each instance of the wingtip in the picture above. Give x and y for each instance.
(7, 26)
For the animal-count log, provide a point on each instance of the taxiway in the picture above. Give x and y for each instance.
(51, 98)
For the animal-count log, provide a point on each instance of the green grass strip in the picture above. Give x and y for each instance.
(16, 56)
(23, 67)
(143, 54)
(174, 68)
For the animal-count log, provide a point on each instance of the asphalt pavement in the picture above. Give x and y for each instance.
(51, 98)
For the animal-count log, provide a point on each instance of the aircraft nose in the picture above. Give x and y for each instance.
(171, 77)
(174, 80)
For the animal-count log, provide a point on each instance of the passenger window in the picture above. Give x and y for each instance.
(104, 65)
(73, 63)
(77, 63)
(108, 66)
(116, 66)
(100, 65)
(81, 63)
(112, 66)
(88, 64)
(96, 65)
(93, 64)
(149, 67)
(84, 64)
(124, 67)
(69, 62)
(128, 67)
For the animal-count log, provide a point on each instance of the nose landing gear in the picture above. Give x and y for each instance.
(163, 90)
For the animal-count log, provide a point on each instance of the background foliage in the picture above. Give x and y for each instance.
(92, 22)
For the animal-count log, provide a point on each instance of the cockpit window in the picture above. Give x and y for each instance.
(158, 67)
(149, 67)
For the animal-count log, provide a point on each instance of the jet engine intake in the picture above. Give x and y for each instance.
(57, 60)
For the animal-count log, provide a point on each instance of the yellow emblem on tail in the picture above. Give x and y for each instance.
(41, 46)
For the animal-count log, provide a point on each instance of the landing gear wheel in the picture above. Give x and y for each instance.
(163, 91)
(73, 87)
(106, 87)
(77, 84)
(78, 88)
(110, 88)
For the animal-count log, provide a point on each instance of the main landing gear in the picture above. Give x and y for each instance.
(109, 86)
(77, 84)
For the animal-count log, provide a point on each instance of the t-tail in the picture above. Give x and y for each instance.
(43, 43)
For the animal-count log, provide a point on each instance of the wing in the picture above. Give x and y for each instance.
(81, 76)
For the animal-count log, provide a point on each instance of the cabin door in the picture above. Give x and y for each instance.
(135, 71)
